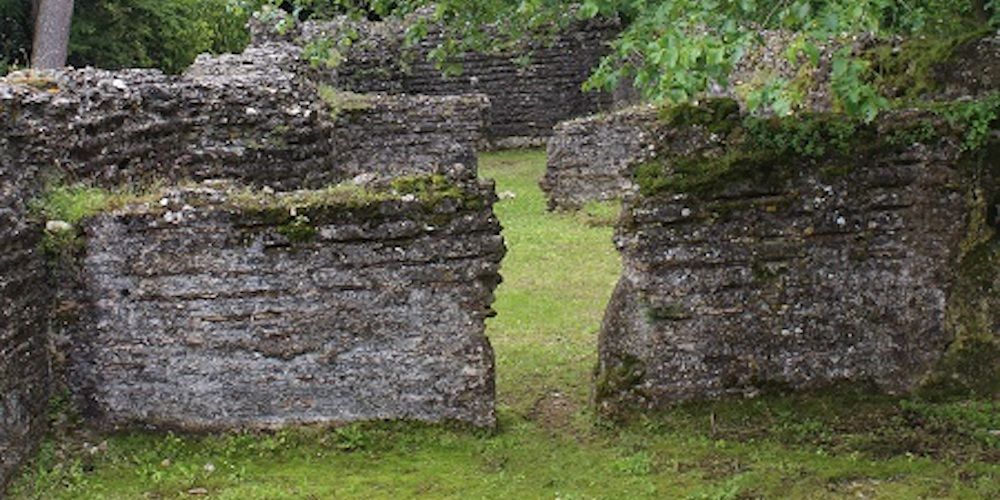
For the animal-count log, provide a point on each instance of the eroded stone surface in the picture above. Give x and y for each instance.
(590, 159)
(210, 311)
(256, 118)
(805, 275)
(253, 117)
(530, 90)
(25, 377)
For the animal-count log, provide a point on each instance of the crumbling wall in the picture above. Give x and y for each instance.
(25, 376)
(590, 158)
(221, 307)
(258, 119)
(748, 268)
(251, 116)
(531, 89)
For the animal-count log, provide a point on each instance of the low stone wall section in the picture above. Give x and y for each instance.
(220, 308)
(25, 373)
(531, 89)
(590, 158)
(743, 274)
(251, 116)
(258, 119)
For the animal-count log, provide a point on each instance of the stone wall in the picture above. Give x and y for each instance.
(218, 308)
(590, 158)
(530, 90)
(251, 116)
(746, 270)
(25, 376)
(256, 118)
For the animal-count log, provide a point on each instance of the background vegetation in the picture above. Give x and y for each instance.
(671, 50)
(165, 34)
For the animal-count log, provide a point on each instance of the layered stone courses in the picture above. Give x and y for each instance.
(379, 316)
(251, 116)
(25, 297)
(843, 272)
(25, 380)
(531, 87)
(591, 158)
(242, 315)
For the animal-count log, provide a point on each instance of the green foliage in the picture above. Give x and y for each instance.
(322, 54)
(676, 49)
(71, 203)
(15, 44)
(132, 33)
(154, 33)
(977, 120)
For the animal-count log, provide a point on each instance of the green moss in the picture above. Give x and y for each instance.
(71, 203)
(717, 115)
(339, 102)
(429, 188)
(34, 79)
(974, 122)
(971, 365)
(762, 273)
(668, 312)
(299, 229)
(809, 135)
(768, 151)
(705, 175)
(617, 380)
(908, 71)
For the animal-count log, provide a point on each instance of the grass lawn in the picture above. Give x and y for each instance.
(558, 275)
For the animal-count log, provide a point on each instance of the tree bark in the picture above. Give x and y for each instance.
(51, 42)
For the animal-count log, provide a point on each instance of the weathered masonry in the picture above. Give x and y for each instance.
(867, 253)
(25, 375)
(251, 116)
(270, 251)
(218, 308)
(530, 90)
(591, 158)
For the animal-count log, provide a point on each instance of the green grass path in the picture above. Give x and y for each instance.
(558, 275)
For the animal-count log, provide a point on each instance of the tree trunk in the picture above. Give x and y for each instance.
(979, 10)
(51, 42)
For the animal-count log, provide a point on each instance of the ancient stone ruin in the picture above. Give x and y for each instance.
(868, 254)
(360, 304)
(270, 251)
(531, 88)
(591, 158)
